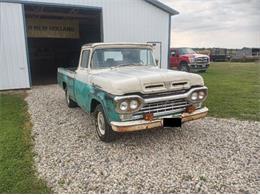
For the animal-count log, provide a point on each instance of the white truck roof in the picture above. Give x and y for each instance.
(117, 44)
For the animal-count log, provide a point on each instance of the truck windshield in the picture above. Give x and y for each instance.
(117, 57)
(184, 51)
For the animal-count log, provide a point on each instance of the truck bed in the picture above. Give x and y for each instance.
(67, 75)
(73, 69)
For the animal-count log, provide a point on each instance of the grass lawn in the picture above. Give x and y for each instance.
(234, 90)
(17, 174)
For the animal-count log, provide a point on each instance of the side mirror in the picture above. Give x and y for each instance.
(173, 54)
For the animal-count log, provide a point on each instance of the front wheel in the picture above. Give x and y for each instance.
(184, 67)
(103, 128)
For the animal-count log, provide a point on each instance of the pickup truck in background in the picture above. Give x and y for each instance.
(126, 91)
(186, 59)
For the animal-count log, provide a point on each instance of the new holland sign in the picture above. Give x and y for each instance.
(45, 28)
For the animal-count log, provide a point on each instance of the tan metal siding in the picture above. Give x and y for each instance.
(13, 60)
(129, 21)
(123, 21)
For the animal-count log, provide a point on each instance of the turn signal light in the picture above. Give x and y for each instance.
(190, 109)
(148, 117)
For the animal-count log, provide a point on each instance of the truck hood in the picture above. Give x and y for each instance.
(126, 80)
(196, 55)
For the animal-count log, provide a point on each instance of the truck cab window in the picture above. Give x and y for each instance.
(173, 53)
(84, 59)
(146, 57)
(114, 57)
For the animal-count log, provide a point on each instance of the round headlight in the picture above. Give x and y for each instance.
(194, 96)
(123, 106)
(134, 104)
(201, 95)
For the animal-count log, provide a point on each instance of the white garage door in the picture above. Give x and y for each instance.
(13, 60)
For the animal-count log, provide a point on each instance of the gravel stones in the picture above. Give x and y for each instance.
(205, 156)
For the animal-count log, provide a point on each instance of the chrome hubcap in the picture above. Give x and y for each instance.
(184, 68)
(101, 123)
(67, 97)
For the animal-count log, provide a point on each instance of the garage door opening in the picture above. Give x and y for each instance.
(55, 36)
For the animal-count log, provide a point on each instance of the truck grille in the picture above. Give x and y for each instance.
(162, 108)
(162, 94)
(202, 60)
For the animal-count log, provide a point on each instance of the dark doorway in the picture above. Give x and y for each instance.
(55, 36)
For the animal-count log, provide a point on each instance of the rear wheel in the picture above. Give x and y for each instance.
(70, 102)
(103, 128)
(184, 67)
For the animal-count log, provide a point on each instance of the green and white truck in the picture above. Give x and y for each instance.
(121, 84)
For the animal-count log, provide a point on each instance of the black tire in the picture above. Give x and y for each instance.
(203, 71)
(104, 131)
(70, 102)
(184, 67)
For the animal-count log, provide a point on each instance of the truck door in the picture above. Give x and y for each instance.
(81, 84)
(174, 59)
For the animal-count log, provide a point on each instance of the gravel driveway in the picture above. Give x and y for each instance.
(210, 155)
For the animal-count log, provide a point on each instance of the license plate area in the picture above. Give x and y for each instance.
(172, 122)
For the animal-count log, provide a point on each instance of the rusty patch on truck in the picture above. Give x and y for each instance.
(139, 127)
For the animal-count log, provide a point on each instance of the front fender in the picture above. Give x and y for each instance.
(107, 102)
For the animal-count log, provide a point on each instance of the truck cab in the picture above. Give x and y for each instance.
(121, 84)
(186, 59)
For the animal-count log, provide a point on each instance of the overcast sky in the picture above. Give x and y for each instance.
(215, 23)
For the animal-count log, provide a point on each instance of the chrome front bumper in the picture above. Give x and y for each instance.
(142, 124)
(198, 67)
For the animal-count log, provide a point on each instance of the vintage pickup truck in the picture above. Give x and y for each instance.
(123, 87)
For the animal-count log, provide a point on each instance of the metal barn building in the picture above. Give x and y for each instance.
(37, 36)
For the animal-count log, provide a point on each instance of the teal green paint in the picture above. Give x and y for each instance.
(84, 94)
(69, 84)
